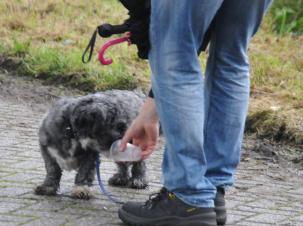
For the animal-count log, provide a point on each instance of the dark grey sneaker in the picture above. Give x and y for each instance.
(165, 209)
(220, 208)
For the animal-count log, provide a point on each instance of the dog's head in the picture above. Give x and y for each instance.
(95, 125)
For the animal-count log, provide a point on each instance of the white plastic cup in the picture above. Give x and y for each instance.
(131, 153)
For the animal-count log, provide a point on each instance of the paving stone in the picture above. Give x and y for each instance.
(289, 208)
(233, 204)
(49, 221)
(45, 215)
(262, 203)
(9, 207)
(240, 213)
(14, 191)
(4, 223)
(299, 219)
(232, 219)
(245, 208)
(268, 218)
(95, 221)
(241, 199)
(249, 223)
(290, 223)
(14, 219)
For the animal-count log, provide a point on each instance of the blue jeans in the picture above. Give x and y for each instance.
(202, 117)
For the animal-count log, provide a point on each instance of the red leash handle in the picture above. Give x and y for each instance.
(108, 61)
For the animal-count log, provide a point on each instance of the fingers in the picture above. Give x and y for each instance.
(152, 133)
(147, 152)
(141, 143)
(126, 138)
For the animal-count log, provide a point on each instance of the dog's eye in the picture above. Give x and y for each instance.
(121, 127)
(81, 121)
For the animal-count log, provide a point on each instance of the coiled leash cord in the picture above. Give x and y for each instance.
(101, 186)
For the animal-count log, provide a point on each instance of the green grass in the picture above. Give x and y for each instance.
(55, 64)
(275, 74)
(20, 48)
(2, 48)
(288, 16)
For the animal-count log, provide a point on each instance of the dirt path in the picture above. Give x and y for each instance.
(268, 189)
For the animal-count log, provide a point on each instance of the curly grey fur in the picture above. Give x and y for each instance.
(76, 129)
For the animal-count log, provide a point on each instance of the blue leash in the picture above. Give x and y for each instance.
(101, 186)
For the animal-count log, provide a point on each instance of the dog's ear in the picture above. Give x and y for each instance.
(98, 119)
(97, 114)
(92, 116)
(83, 117)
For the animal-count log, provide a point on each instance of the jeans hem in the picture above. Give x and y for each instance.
(201, 203)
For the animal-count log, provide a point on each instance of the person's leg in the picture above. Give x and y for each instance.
(177, 30)
(227, 86)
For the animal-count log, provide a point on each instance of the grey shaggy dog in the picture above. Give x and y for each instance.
(75, 130)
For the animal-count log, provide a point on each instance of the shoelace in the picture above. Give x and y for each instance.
(155, 197)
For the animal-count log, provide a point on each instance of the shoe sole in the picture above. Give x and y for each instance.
(129, 219)
(221, 215)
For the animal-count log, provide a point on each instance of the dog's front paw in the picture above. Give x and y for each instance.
(118, 180)
(137, 183)
(45, 190)
(81, 192)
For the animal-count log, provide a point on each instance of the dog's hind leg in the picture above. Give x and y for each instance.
(85, 176)
(121, 178)
(53, 175)
(138, 179)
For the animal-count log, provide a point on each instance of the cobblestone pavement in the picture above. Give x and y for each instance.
(265, 193)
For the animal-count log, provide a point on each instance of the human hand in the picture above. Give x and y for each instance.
(144, 131)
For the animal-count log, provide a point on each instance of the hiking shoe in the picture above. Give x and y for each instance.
(220, 208)
(165, 209)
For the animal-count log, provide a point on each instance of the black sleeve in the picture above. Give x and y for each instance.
(151, 94)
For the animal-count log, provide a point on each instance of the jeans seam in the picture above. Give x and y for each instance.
(207, 115)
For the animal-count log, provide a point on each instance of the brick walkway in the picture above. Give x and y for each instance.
(265, 192)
